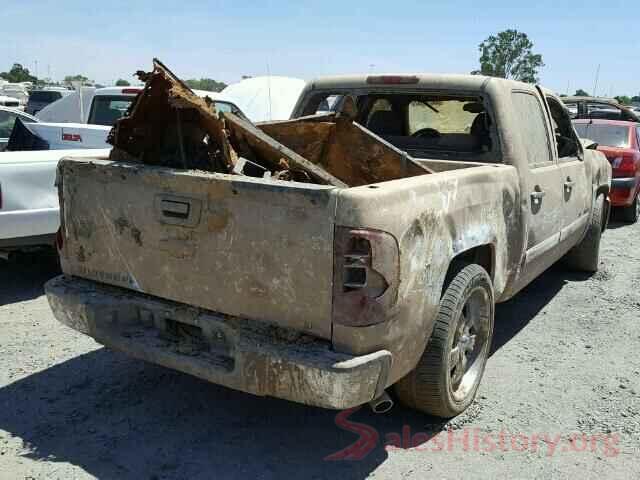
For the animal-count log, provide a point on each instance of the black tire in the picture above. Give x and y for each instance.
(433, 386)
(631, 213)
(585, 256)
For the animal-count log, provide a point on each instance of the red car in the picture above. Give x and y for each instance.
(620, 142)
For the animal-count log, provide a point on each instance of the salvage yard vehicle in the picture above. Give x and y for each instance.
(620, 142)
(601, 108)
(101, 106)
(9, 102)
(38, 99)
(329, 257)
(29, 211)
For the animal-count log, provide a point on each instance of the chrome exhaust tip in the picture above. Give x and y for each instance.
(382, 404)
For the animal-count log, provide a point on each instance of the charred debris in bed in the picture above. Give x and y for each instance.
(169, 125)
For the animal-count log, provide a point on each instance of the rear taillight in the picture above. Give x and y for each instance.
(625, 165)
(59, 239)
(365, 276)
(357, 272)
(71, 137)
(130, 91)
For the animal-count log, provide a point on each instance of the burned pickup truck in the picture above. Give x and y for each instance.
(327, 258)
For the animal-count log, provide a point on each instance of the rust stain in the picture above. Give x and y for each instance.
(169, 125)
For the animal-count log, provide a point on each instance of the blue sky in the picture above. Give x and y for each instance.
(227, 39)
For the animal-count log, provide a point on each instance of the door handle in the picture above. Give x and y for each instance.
(569, 183)
(537, 195)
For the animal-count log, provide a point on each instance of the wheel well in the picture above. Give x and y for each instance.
(482, 255)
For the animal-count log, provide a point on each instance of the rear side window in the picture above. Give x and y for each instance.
(532, 128)
(605, 135)
(106, 109)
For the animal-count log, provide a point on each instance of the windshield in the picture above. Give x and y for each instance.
(106, 109)
(606, 135)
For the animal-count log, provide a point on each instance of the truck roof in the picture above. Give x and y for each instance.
(410, 81)
(118, 91)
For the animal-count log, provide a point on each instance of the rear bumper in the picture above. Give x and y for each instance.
(244, 355)
(623, 191)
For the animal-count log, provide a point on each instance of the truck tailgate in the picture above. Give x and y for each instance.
(236, 245)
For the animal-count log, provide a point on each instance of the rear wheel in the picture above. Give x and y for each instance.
(631, 213)
(585, 256)
(446, 379)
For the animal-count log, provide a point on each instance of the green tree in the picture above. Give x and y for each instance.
(122, 83)
(69, 79)
(635, 99)
(581, 93)
(509, 55)
(18, 74)
(623, 99)
(207, 84)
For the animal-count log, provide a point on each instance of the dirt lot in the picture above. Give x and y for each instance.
(560, 398)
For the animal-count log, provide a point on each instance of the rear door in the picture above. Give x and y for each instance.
(543, 191)
(576, 186)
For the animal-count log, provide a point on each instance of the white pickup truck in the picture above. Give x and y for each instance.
(29, 210)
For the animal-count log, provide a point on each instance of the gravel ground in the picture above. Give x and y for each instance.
(560, 398)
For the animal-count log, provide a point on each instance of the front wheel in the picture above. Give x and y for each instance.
(585, 256)
(446, 379)
(631, 213)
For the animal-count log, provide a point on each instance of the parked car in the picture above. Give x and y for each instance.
(29, 209)
(8, 118)
(604, 108)
(9, 102)
(69, 109)
(267, 98)
(422, 203)
(38, 99)
(620, 142)
(102, 106)
(17, 91)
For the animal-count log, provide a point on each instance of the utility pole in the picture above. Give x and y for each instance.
(595, 85)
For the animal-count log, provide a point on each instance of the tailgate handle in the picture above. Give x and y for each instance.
(175, 209)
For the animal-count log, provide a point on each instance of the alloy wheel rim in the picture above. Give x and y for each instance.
(470, 344)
